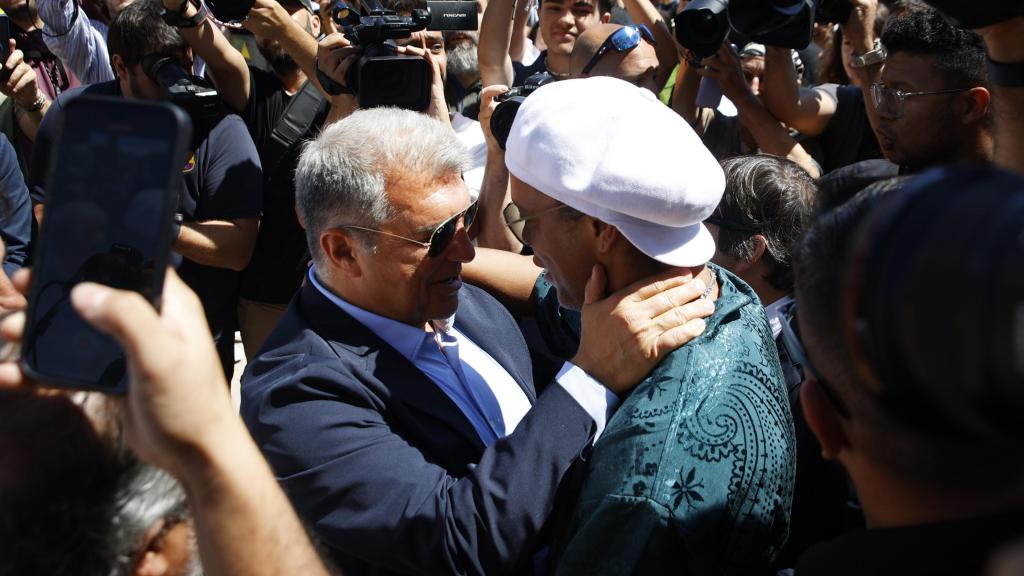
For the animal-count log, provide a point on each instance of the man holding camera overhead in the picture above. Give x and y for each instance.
(221, 196)
(281, 107)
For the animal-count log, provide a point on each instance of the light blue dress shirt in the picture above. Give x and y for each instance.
(487, 395)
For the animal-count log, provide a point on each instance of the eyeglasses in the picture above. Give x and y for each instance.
(442, 235)
(622, 40)
(516, 222)
(893, 99)
(799, 357)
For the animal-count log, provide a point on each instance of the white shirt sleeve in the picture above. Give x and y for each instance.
(597, 400)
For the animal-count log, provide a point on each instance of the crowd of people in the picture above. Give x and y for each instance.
(638, 330)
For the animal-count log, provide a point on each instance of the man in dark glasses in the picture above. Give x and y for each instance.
(623, 52)
(695, 471)
(386, 398)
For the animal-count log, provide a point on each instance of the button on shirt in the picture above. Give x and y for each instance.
(483, 390)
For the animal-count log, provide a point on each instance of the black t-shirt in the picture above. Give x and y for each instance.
(848, 138)
(278, 262)
(221, 180)
(522, 72)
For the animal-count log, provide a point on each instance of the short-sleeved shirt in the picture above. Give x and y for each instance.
(522, 71)
(278, 260)
(221, 180)
(15, 210)
(848, 138)
(694, 472)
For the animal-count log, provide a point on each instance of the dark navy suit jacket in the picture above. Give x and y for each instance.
(385, 466)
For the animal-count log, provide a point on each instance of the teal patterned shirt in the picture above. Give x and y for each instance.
(694, 472)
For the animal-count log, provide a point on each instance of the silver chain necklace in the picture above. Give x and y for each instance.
(711, 285)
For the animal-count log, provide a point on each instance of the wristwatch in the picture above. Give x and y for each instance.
(876, 56)
(179, 20)
(1007, 75)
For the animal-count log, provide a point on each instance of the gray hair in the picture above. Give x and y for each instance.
(145, 495)
(343, 175)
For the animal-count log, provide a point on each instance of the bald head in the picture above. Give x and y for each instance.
(638, 65)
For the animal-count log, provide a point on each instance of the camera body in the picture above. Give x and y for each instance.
(383, 77)
(198, 99)
(509, 103)
(703, 25)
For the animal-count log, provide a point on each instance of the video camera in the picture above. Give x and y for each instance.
(703, 25)
(381, 76)
(192, 94)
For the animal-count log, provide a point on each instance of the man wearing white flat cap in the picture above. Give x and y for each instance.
(694, 473)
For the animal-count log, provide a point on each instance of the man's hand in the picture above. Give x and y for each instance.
(628, 333)
(859, 28)
(725, 67)
(335, 55)
(438, 107)
(177, 402)
(11, 300)
(20, 83)
(487, 106)
(267, 18)
(327, 25)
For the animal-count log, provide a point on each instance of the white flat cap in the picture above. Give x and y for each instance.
(612, 151)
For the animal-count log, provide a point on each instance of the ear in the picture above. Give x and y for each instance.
(606, 235)
(977, 101)
(117, 63)
(342, 251)
(314, 25)
(822, 418)
(153, 561)
(743, 266)
(606, 17)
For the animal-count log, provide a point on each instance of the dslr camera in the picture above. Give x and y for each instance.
(703, 25)
(180, 87)
(509, 103)
(381, 76)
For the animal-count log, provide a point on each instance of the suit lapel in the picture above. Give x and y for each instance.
(428, 406)
(473, 320)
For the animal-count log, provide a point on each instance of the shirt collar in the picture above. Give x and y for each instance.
(404, 338)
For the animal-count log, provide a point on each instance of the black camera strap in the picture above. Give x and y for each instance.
(305, 110)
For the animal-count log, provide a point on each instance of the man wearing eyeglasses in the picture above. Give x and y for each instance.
(931, 105)
(396, 405)
(694, 474)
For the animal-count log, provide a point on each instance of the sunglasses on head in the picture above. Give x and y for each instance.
(622, 40)
(442, 235)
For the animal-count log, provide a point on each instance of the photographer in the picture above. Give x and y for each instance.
(834, 115)
(754, 128)
(178, 416)
(221, 194)
(281, 108)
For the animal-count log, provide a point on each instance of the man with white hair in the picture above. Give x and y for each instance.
(694, 472)
(413, 438)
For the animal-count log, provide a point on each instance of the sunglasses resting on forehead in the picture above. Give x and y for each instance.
(622, 40)
(440, 238)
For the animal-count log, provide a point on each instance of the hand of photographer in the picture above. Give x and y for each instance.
(327, 25)
(268, 19)
(178, 415)
(725, 67)
(859, 28)
(334, 56)
(438, 107)
(487, 106)
(626, 334)
(20, 83)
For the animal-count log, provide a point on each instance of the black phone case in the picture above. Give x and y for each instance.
(103, 111)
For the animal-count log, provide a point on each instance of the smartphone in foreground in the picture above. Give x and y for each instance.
(111, 192)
